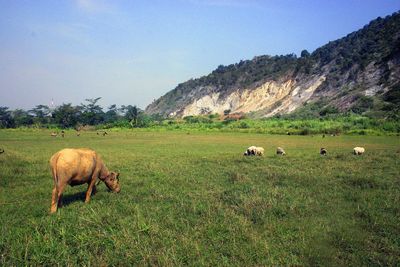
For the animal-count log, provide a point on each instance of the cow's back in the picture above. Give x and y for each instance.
(73, 166)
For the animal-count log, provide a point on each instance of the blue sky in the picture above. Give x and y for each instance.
(131, 52)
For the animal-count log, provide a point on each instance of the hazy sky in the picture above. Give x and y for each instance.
(131, 52)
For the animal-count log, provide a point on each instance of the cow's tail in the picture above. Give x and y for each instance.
(53, 166)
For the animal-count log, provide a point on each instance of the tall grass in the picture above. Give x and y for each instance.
(340, 125)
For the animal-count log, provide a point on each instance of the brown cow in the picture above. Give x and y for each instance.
(79, 166)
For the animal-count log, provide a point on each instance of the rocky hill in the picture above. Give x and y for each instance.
(358, 73)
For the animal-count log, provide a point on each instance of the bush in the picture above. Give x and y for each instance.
(243, 125)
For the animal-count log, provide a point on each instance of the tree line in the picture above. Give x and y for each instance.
(70, 116)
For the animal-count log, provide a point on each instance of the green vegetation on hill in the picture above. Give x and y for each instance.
(244, 73)
(376, 42)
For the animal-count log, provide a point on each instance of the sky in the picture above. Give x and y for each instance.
(131, 52)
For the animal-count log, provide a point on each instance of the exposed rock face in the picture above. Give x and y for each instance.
(337, 75)
(289, 93)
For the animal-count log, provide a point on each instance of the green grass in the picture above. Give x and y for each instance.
(193, 199)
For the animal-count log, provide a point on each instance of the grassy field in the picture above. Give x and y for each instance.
(193, 199)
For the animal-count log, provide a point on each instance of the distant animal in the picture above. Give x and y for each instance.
(105, 133)
(1, 150)
(62, 133)
(280, 151)
(250, 151)
(323, 151)
(78, 134)
(358, 150)
(54, 134)
(76, 167)
(259, 151)
(323, 136)
(254, 151)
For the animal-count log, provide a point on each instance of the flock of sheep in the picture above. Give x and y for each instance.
(251, 151)
(78, 133)
(259, 151)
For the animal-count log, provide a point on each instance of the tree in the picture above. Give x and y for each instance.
(131, 114)
(92, 113)
(66, 115)
(305, 53)
(112, 114)
(22, 117)
(41, 113)
(6, 121)
(143, 120)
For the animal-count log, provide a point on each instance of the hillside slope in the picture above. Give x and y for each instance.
(360, 72)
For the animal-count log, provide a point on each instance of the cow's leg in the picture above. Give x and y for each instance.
(59, 193)
(54, 199)
(94, 190)
(91, 186)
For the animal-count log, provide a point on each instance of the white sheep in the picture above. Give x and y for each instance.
(254, 151)
(358, 150)
(280, 151)
(259, 151)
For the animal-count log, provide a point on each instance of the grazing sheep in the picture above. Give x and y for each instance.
(105, 133)
(323, 151)
(358, 150)
(280, 151)
(254, 151)
(250, 151)
(54, 134)
(259, 151)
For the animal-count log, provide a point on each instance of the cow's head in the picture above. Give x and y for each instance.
(112, 182)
